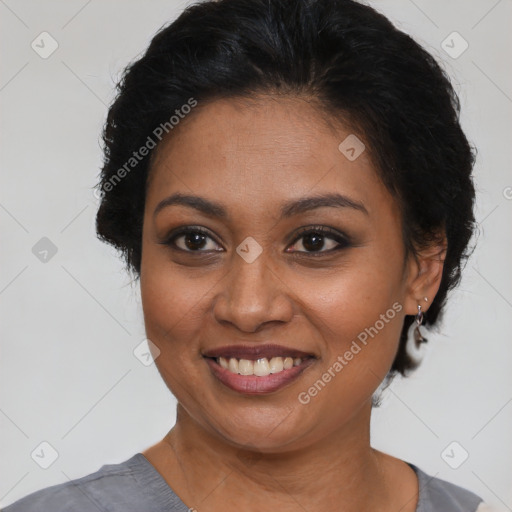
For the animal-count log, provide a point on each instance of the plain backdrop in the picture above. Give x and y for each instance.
(71, 320)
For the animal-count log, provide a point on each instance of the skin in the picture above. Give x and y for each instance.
(229, 451)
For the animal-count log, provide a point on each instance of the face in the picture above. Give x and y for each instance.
(281, 240)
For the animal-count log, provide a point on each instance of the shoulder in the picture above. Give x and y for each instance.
(437, 494)
(129, 486)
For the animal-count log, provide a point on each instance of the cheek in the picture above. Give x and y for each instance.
(173, 304)
(359, 334)
(352, 297)
(359, 317)
(358, 312)
(173, 314)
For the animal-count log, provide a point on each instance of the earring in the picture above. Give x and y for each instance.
(415, 346)
(418, 338)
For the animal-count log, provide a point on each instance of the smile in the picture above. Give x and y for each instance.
(259, 369)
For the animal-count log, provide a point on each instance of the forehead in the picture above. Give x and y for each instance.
(254, 152)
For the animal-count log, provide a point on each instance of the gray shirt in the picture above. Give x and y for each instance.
(136, 486)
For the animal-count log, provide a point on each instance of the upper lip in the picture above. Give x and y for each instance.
(255, 352)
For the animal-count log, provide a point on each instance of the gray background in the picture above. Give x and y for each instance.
(69, 376)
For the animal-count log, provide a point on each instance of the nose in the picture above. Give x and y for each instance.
(253, 295)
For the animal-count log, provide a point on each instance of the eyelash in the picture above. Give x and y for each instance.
(335, 235)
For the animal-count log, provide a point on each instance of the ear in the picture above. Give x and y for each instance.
(424, 273)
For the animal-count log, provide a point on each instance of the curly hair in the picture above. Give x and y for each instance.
(354, 63)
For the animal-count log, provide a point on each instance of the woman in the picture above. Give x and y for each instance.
(290, 182)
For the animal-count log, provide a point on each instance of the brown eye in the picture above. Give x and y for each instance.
(319, 240)
(191, 240)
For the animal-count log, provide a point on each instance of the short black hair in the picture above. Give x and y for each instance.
(354, 63)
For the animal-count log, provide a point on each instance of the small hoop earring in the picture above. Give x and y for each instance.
(415, 346)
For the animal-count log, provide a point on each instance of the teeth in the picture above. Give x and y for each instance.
(233, 365)
(287, 363)
(245, 367)
(261, 367)
(276, 364)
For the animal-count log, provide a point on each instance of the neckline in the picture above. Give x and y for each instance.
(167, 495)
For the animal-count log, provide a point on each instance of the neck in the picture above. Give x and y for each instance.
(339, 472)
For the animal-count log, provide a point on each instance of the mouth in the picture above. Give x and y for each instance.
(257, 370)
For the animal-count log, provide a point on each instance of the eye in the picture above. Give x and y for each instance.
(191, 240)
(313, 239)
(316, 238)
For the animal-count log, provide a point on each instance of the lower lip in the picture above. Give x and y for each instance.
(254, 385)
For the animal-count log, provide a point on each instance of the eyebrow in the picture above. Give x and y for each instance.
(288, 209)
